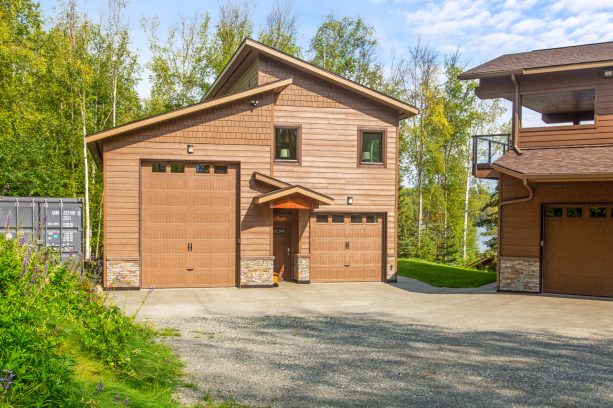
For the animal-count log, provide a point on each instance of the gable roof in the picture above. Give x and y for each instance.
(250, 47)
(293, 189)
(546, 60)
(558, 163)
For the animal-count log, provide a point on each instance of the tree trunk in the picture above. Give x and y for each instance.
(114, 99)
(466, 202)
(87, 250)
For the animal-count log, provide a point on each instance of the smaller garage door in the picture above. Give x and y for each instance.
(577, 255)
(346, 247)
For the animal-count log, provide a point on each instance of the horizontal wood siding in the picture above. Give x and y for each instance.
(330, 118)
(521, 223)
(236, 133)
(602, 133)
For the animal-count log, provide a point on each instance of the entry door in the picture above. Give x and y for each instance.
(577, 256)
(282, 250)
(346, 247)
(188, 224)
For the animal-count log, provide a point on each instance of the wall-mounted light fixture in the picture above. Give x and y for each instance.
(190, 149)
(349, 200)
(607, 73)
(254, 102)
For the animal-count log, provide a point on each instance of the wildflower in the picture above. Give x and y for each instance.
(5, 190)
(7, 220)
(25, 263)
(117, 399)
(99, 387)
(126, 402)
(22, 239)
(6, 380)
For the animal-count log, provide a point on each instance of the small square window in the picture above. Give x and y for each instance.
(286, 144)
(598, 212)
(220, 169)
(338, 219)
(372, 219)
(202, 168)
(356, 219)
(554, 212)
(177, 168)
(574, 212)
(371, 148)
(158, 168)
(322, 219)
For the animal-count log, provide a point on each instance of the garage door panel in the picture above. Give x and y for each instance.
(346, 251)
(577, 256)
(188, 208)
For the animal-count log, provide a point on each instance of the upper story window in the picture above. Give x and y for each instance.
(558, 108)
(287, 140)
(372, 145)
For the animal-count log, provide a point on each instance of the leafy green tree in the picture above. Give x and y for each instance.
(179, 67)
(280, 31)
(348, 48)
(233, 26)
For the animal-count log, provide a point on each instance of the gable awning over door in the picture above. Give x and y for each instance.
(286, 195)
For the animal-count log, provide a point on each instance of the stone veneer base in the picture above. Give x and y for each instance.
(390, 270)
(302, 268)
(519, 274)
(122, 273)
(256, 271)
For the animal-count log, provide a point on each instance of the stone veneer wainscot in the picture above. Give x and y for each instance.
(123, 273)
(256, 271)
(519, 274)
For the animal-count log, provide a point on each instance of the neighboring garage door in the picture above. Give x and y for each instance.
(577, 255)
(188, 224)
(346, 247)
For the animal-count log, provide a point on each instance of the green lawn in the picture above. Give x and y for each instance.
(444, 276)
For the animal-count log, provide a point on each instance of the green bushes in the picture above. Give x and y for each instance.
(63, 344)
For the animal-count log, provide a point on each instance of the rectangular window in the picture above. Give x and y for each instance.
(371, 147)
(574, 212)
(286, 143)
(338, 219)
(554, 212)
(561, 108)
(158, 168)
(322, 219)
(356, 219)
(177, 168)
(372, 219)
(220, 169)
(598, 212)
(202, 168)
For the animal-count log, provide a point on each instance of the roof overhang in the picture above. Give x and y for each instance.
(553, 177)
(536, 70)
(269, 181)
(293, 196)
(249, 46)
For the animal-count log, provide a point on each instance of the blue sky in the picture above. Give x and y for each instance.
(480, 29)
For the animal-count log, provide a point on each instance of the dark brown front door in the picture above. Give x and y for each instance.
(282, 249)
(577, 256)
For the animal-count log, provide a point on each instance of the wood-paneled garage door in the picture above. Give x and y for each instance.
(188, 224)
(577, 255)
(346, 247)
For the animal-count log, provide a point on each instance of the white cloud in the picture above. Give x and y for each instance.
(485, 29)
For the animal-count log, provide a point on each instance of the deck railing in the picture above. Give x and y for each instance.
(487, 149)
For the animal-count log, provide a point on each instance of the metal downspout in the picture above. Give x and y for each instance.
(515, 114)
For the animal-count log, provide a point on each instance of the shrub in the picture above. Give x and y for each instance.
(52, 320)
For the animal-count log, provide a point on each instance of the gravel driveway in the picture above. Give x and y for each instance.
(356, 361)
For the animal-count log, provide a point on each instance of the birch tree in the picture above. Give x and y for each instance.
(280, 30)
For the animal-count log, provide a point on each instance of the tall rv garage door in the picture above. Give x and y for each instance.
(188, 234)
(346, 247)
(577, 255)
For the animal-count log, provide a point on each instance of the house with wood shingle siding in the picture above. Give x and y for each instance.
(284, 171)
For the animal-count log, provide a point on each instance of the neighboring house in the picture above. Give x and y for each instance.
(282, 168)
(556, 177)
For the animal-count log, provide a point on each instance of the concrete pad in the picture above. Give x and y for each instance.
(408, 301)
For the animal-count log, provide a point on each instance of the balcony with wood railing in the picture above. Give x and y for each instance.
(486, 150)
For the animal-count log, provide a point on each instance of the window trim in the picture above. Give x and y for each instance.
(298, 160)
(363, 130)
(560, 127)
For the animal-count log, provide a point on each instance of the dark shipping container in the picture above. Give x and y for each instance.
(52, 222)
